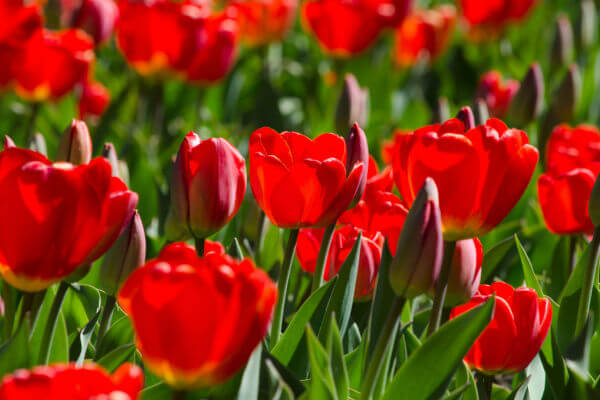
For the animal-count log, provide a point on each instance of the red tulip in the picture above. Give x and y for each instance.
(94, 100)
(480, 173)
(570, 148)
(57, 217)
(197, 320)
(392, 12)
(465, 273)
(334, 24)
(424, 33)
(52, 63)
(207, 185)
(69, 382)
(516, 333)
(496, 92)
(264, 21)
(494, 15)
(96, 17)
(301, 183)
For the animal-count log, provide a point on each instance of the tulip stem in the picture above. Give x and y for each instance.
(441, 287)
(484, 386)
(318, 278)
(107, 314)
(376, 361)
(282, 286)
(200, 246)
(588, 283)
(57, 303)
(8, 296)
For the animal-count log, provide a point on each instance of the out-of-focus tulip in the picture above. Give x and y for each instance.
(8, 142)
(527, 103)
(329, 21)
(57, 216)
(358, 153)
(299, 182)
(480, 173)
(392, 12)
(164, 298)
(587, 24)
(594, 204)
(125, 255)
(465, 272)
(93, 101)
(485, 17)
(573, 163)
(52, 63)
(207, 185)
(96, 17)
(264, 21)
(110, 153)
(352, 106)
(562, 45)
(496, 92)
(516, 333)
(75, 144)
(70, 382)
(567, 96)
(481, 112)
(424, 33)
(466, 117)
(38, 144)
(418, 259)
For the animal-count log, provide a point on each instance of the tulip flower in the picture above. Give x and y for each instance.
(424, 33)
(165, 297)
(75, 144)
(392, 12)
(302, 183)
(496, 92)
(353, 105)
(57, 216)
(94, 100)
(264, 21)
(480, 173)
(95, 17)
(208, 184)
(563, 44)
(486, 17)
(70, 382)
(527, 103)
(516, 333)
(465, 272)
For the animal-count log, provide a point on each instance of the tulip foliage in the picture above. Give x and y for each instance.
(299, 200)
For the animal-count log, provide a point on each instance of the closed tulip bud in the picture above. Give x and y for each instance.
(594, 203)
(465, 115)
(353, 105)
(358, 151)
(38, 143)
(465, 273)
(417, 263)
(126, 254)
(482, 114)
(76, 144)
(567, 95)
(587, 24)
(110, 154)
(529, 100)
(441, 112)
(8, 142)
(562, 45)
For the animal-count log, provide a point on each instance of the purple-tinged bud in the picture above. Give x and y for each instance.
(594, 203)
(76, 144)
(587, 24)
(38, 143)
(465, 272)
(566, 98)
(358, 152)
(353, 105)
(441, 112)
(529, 99)
(96, 17)
(418, 260)
(110, 154)
(481, 112)
(126, 254)
(8, 142)
(561, 53)
(465, 115)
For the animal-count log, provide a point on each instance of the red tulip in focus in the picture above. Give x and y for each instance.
(207, 185)
(465, 273)
(424, 33)
(93, 101)
(494, 15)
(69, 382)
(480, 173)
(496, 92)
(57, 217)
(52, 63)
(95, 17)
(197, 320)
(573, 164)
(264, 21)
(343, 28)
(516, 333)
(299, 182)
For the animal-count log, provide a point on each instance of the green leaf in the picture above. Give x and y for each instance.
(322, 385)
(336, 359)
(272, 250)
(159, 391)
(235, 250)
(536, 379)
(285, 348)
(119, 334)
(15, 353)
(430, 366)
(285, 374)
(59, 348)
(520, 393)
(528, 270)
(493, 257)
(115, 358)
(85, 336)
(251, 377)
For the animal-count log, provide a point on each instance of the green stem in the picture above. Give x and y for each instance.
(8, 295)
(282, 285)
(376, 362)
(588, 283)
(51, 323)
(484, 386)
(440, 288)
(200, 246)
(107, 314)
(260, 236)
(318, 278)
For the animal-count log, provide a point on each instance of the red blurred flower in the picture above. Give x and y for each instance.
(516, 333)
(480, 173)
(390, 146)
(496, 92)
(465, 273)
(494, 15)
(57, 217)
(165, 299)
(392, 12)
(207, 185)
(69, 382)
(52, 63)
(264, 21)
(343, 28)
(93, 101)
(573, 164)
(96, 17)
(424, 33)
(299, 182)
